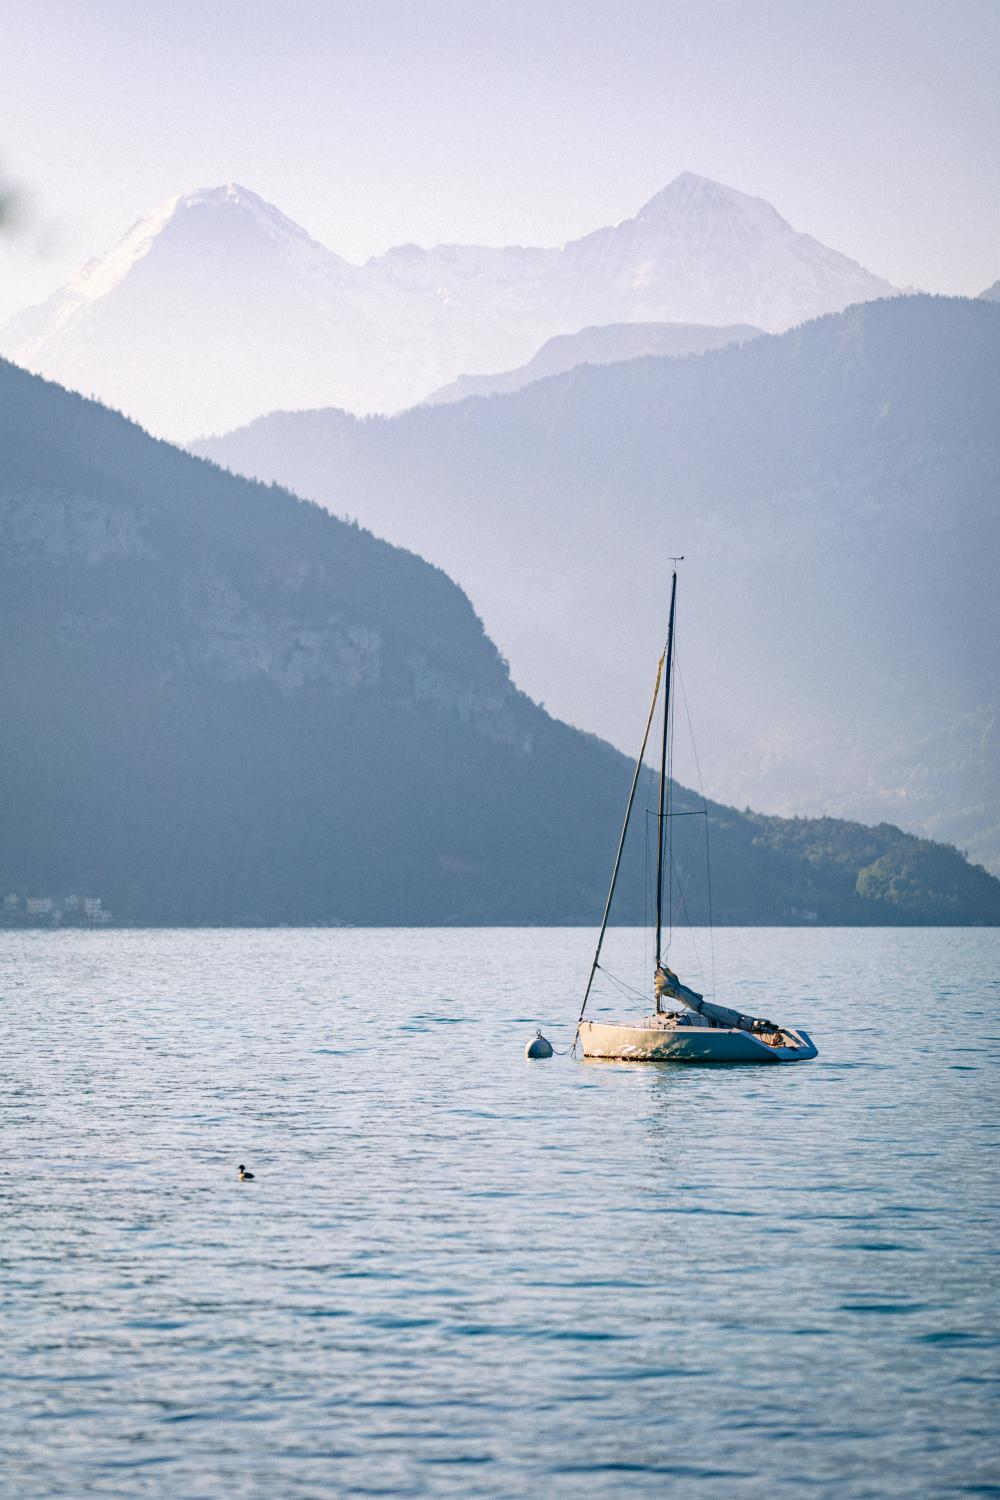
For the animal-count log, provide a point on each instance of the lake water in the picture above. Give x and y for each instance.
(461, 1274)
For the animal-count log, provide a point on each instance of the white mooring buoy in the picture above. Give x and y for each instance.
(538, 1047)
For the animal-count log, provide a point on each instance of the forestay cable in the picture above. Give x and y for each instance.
(621, 845)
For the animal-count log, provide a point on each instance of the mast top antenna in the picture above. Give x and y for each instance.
(678, 559)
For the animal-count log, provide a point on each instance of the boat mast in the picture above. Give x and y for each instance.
(621, 845)
(660, 820)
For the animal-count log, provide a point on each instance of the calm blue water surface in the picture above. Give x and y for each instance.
(459, 1274)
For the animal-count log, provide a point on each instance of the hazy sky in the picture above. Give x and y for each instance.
(872, 124)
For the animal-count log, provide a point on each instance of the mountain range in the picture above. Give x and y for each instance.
(218, 308)
(835, 490)
(608, 345)
(224, 705)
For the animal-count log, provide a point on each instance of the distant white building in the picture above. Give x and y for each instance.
(39, 906)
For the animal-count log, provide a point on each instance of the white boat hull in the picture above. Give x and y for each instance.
(689, 1044)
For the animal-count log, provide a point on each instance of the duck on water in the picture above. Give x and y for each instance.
(693, 1030)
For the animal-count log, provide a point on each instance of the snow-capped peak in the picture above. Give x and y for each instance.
(101, 276)
(229, 192)
(236, 310)
(690, 195)
(233, 195)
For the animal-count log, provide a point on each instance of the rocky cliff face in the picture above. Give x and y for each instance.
(57, 525)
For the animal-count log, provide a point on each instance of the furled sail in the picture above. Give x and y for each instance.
(667, 983)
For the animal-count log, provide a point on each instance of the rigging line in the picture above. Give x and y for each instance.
(694, 747)
(670, 803)
(696, 812)
(694, 945)
(711, 924)
(675, 869)
(708, 856)
(682, 890)
(650, 898)
(621, 843)
(623, 985)
(670, 788)
(661, 826)
(645, 889)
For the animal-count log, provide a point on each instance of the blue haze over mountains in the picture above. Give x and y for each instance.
(835, 489)
(217, 307)
(608, 344)
(224, 705)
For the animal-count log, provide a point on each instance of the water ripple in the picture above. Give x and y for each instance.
(460, 1275)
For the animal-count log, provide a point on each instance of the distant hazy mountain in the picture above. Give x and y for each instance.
(836, 491)
(218, 307)
(220, 704)
(212, 303)
(596, 346)
(992, 293)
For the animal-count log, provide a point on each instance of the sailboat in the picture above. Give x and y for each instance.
(680, 1025)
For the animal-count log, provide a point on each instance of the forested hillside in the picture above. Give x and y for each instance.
(222, 705)
(836, 492)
